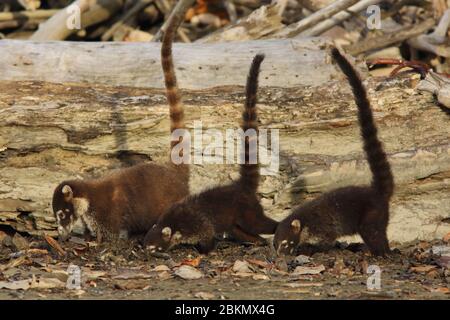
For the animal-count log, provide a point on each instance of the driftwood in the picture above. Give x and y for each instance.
(92, 12)
(318, 16)
(387, 39)
(50, 132)
(138, 64)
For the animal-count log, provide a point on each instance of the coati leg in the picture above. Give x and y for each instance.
(240, 235)
(256, 221)
(373, 232)
(205, 246)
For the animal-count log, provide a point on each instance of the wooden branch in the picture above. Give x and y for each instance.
(296, 28)
(387, 39)
(178, 11)
(92, 12)
(435, 41)
(338, 18)
(20, 15)
(260, 23)
(138, 6)
(51, 132)
(198, 66)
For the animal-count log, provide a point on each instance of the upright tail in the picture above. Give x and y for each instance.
(249, 173)
(382, 179)
(176, 108)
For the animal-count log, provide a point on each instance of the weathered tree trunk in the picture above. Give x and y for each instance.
(288, 63)
(50, 132)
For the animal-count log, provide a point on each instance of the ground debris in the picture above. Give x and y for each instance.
(188, 273)
(301, 270)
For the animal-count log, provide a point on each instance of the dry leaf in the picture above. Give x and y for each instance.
(14, 263)
(241, 267)
(260, 263)
(301, 270)
(164, 275)
(422, 269)
(446, 237)
(192, 262)
(442, 290)
(204, 295)
(260, 277)
(130, 284)
(15, 285)
(302, 259)
(47, 283)
(188, 273)
(55, 245)
(161, 267)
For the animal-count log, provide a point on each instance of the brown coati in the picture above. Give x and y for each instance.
(349, 210)
(129, 200)
(233, 209)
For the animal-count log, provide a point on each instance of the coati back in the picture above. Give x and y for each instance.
(234, 208)
(129, 200)
(348, 210)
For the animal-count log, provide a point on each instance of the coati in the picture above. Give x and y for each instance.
(233, 209)
(348, 210)
(130, 200)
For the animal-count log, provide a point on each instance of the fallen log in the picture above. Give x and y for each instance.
(50, 132)
(138, 64)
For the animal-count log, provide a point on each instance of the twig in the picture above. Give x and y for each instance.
(38, 14)
(432, 42)
(231, 10)
(388, 39)
(318, 16)
(92, 12)
(178, 12)
(338, 18)
(138, 6)
(24, 24)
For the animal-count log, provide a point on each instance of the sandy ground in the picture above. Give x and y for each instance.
(125, 271)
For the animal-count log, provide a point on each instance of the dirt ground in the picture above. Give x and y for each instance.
(126, 271)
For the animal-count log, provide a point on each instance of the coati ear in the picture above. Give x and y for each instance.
(67, 192)
(296, 225)
(166, 233)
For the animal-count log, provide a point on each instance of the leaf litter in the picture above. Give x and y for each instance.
(419, 269)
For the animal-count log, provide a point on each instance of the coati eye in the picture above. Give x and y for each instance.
(61, 215)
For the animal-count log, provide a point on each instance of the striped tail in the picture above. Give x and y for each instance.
(176, 109)
(382, 179)
(172, 92)
(249, 173)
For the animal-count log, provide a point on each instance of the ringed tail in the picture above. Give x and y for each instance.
(176, 108)
(382, 178)
(249, 173)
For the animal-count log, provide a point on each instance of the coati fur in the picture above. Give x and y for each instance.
(349, 210)
(130, 200)
(233, 209)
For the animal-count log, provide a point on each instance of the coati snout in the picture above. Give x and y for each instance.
(161, 238)
(64, 210)
(287, 237)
